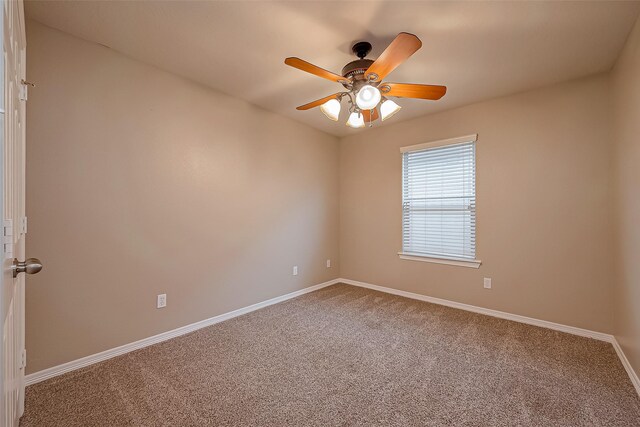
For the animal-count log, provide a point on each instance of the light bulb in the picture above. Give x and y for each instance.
(388, 108)
(331, 109)
(356, 120)
(368, 97)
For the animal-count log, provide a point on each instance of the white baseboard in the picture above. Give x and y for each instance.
(487, 311)
(627, 366)
(108, 354)
(54, 371)
(514, 317)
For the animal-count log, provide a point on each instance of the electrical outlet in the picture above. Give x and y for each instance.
(487, 282)
(328, 263)
(162, 300)
(295, 270)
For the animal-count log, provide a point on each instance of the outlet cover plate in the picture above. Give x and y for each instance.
(162, 301)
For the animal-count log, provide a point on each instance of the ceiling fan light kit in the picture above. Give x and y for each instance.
(366, 93)
(368, 97)
(331, 109)
(356, 120)
(388, 108)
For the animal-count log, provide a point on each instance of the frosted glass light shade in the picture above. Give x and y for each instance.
(368, 97)
(388, 108)
(331, 109)
(356, 120)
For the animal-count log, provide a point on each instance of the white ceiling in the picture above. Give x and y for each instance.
(479, 50)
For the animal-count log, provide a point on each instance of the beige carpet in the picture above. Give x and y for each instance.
(346, 356)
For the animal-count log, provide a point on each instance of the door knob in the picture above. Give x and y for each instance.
(30, 266)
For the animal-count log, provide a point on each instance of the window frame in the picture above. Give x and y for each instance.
(461, 262)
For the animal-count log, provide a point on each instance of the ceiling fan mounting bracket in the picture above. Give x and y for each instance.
(361, 49)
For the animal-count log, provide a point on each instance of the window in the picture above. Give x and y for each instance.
(439, 202)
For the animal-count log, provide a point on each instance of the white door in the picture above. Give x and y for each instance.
(12, 356)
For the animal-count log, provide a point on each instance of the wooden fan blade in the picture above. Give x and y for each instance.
(408, 90)
(400, 49)
(318, 102)
(368, 116)
(313, 69)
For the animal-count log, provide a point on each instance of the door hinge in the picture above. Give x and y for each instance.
(23, 225)
(23, 359)
(23, 92)
(7, 238)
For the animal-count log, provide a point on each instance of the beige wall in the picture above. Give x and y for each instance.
(141, 183)
(626, 90)
(544, 231)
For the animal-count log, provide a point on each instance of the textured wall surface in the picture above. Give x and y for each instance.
(544, 227)
(626, 90)
(142, 183)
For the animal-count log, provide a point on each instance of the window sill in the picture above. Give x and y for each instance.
(457, 262)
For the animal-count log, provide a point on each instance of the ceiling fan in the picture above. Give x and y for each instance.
(366, 92)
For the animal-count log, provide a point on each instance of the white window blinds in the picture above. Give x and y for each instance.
(439, 200)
